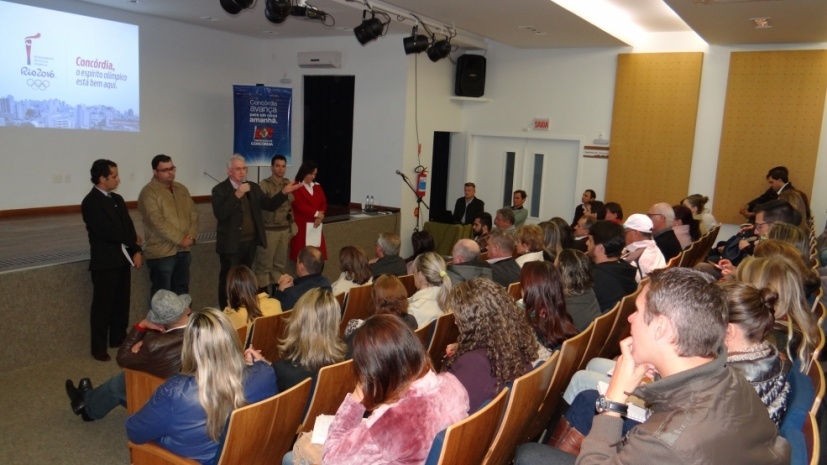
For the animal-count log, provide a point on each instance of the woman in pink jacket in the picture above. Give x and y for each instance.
(408, 403)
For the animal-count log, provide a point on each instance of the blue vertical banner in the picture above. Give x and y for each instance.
(262, 123)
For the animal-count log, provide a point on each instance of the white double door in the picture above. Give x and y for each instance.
(545, 168)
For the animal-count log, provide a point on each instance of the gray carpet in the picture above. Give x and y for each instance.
(38, 426)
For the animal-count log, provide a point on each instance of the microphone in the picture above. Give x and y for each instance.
(401, 174)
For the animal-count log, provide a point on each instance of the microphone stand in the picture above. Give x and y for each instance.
(419, 201)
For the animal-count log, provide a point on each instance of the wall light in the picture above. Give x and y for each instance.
(234, 7)
(439, 49)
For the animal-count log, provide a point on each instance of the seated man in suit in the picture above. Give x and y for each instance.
(504, 269)
(309, 268)
(468, 207)
(662, 217)
(387, 259)
(465, 262)
(153, 346)
(504, 220)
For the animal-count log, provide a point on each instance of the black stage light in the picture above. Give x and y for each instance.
(439, 50)
(234, 7)
(276, 11)
(369, 30)
(416, 43)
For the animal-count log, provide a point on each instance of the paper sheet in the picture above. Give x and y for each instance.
(320, 428)
(313, 236)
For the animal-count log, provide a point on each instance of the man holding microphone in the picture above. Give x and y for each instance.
(237, 205)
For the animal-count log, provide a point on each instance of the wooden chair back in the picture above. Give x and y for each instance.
(267, 331)
(255, 435)
(515, 290)
(602, 327)
(445, 332)
(816, 375)
(357, 306)
(466, 442)
(621, 327)
(242, 335)
(570, 355)
(408, 282)
(484, 256)
(675, 261)
(820, 345)
(811, 439)
(424, 334)
(527, 393)
(140, 386)
(340, 297)
(332, 384)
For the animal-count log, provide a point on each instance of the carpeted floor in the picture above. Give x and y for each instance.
(38, 426)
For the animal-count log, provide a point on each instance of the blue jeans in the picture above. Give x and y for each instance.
(107, 396)
(171, 273)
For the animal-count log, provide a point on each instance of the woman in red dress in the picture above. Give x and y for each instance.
(309, 206)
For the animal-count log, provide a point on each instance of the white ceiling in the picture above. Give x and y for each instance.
(523, 23)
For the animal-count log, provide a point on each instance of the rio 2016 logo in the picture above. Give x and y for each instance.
(29, 47)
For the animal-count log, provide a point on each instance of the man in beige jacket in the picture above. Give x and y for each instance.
(272, 260)
(170, 228)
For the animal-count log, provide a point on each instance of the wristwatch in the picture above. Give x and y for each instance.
(605, 405)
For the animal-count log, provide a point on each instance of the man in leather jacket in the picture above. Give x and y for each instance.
(153, 346)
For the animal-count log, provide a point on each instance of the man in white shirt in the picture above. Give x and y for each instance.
(641, 250)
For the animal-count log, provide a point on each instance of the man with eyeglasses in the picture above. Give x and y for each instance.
(662, 217)
(237, 205)
(170, 227)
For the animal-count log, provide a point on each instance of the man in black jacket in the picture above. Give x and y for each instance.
(237, 205)
(114, 247)
(309, 267)
(468, 207)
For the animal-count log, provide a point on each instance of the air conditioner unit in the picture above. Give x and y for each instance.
(320, 59)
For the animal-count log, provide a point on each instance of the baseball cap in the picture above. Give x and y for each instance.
(639, 222)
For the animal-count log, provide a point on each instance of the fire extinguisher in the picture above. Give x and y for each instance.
(421, 181)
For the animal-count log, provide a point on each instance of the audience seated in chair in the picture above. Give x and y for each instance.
(244, 303)
(387, 259)
(153, 345)
(309, 267)
(466, 263)
(433, 285)
(355, 270)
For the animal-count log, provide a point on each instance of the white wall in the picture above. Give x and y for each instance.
(187, 73)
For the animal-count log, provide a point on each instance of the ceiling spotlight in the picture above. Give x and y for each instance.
(416, 43)
(369, 30)
(276, 11)
(234, 7)
(439, 50)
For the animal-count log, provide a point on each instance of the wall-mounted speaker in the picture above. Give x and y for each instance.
(470, 80)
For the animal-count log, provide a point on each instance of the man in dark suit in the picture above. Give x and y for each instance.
(387, 259)
(237, 205)
(113, 242)
(468, 207)
(309, 267)
(504, 269)
(779, 180)
(662, 217)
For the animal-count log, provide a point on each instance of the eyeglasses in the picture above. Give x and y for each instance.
(242, 168)
(167, 170)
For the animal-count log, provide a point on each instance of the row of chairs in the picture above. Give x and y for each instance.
(259, 432)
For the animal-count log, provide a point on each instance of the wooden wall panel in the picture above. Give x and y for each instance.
(774, 108)
(653, 128)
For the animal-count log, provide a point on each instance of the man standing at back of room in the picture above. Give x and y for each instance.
(468, 207)
(170, 226)
(237, 204)
(272, 259)
(112, 238)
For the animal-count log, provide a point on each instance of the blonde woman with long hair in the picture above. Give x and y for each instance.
(433, 285)
(311, 340)
(791, 311)
(186, 415)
